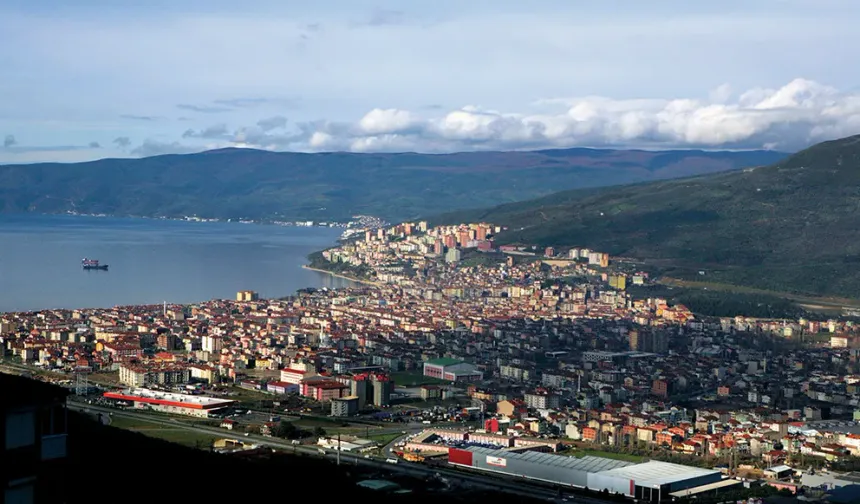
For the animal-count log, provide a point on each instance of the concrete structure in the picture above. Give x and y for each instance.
(452, 370)
(33, 445)
(346, 443)
(179, 404)
(281, 388)
(344, 406)
(648, 481)
(135, 375)
(322, 390)
(371, 389)
(247, 296)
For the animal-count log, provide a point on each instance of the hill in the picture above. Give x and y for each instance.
(793, 226)
(246, 183)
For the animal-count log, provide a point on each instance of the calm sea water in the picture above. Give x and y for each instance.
(150, 261)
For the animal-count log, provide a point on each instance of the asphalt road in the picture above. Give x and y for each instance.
(474, 480)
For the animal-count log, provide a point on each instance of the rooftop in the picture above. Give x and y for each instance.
(587, 463)
(653, 473)
(381, 485)
(147, 395)
(444, 361)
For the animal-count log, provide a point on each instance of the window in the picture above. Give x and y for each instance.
(53, 420)
(20, 429)
(20, 495)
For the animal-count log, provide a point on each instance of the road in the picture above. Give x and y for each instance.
(474, 480)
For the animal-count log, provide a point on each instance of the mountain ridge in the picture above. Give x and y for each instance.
(256, 184)
(792, 226)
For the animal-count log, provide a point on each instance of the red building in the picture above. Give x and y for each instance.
(323, 390)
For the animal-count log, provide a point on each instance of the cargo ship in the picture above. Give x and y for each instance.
(93, 264)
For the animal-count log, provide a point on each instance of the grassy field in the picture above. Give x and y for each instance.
(174, 435)
(383, 439)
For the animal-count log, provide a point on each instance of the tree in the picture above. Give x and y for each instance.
(319, 432)
(287, 430)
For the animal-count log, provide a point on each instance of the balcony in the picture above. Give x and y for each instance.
(53, 446)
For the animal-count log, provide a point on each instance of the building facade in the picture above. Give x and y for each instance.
(33, 420)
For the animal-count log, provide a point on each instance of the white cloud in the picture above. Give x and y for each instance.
(788, 118)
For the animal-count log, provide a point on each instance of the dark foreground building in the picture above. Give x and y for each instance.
(33, 422)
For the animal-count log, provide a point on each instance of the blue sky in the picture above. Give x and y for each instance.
(88, 79)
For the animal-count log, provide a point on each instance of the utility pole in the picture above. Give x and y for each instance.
(338, 448)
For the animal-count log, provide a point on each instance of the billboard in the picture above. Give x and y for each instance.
(496, 461)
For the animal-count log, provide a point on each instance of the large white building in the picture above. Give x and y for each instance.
(166, 402)
(452, 370)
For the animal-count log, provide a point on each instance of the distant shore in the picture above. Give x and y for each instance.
(338, 275)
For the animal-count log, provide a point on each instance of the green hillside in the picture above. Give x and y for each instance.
(247, 183)
(791, 227)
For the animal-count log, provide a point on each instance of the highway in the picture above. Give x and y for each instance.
(473, 480)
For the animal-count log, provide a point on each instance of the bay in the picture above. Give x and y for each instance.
(151, 261)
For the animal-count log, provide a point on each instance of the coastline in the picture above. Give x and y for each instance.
(351, 279)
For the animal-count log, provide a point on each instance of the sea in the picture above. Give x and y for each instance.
(151, 261)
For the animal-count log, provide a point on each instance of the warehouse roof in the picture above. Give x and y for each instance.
(652, 473)
(587, 463)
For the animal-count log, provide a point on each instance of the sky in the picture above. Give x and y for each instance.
(92, 79)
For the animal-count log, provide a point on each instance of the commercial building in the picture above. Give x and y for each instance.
(33, 447)
(452, 370)
(648, 481)
(344, 406)
(166, 402)
(281, 388)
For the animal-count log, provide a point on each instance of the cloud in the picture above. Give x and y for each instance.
(138, 117)
(790, 117)
(156, 148)
(9, 141)
(122, 142)
(203, 109)
(215, 132)
(94, 145)
(271, 123)
(787, 118)
(383, 17)
(242, 102)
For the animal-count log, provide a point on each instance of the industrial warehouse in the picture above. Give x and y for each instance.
(166, 402)
(648, 480)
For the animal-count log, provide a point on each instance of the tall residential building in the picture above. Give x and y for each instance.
(633, 339)
(211, 344)
(247, 295)
(453, 255)
(438, 247)
(371, 389)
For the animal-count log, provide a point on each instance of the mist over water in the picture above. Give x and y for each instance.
(150, 261)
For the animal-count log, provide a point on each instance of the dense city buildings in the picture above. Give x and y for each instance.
(547, 347)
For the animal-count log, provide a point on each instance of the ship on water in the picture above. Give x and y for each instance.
(93, 264)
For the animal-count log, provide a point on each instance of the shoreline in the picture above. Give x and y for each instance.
(338, 275)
